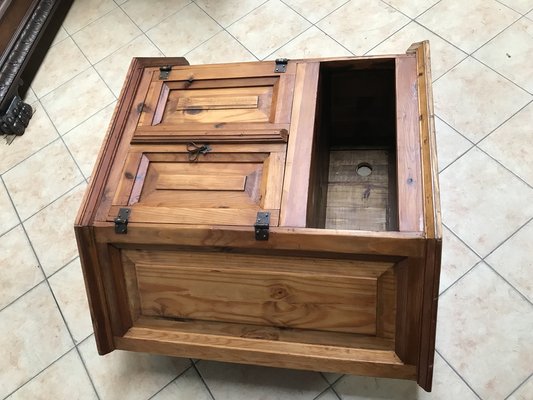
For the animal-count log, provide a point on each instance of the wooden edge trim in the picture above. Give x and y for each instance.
(430, 169)
(111, 141)
(398, 244)
(95, 289)
(266, 352)
(429, 314)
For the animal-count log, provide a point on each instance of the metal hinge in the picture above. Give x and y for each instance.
(121, 221)
(281, 65)
(262, 225)
(164, 71)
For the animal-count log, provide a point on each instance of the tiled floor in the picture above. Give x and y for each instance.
(483, 70)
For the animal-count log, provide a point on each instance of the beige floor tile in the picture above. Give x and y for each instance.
(109, 33)
(51, 231)
(312, 43)
(38, 134)
(127, 375)
(522, 6)
(76, 100)
(228, 11)
(412, 8)
(60, 35)
(187, 387)
(482, 202)
(314, 10)
(33, 336)
(30, 97)
(443, 55)
(513, 260)
(525, 392)
(510, 53)
(82, 13)
(243, 382)
(195, 27)
(446, 386)
(375, 22)
(457, 259)
(85, 141)
(41, 179)
(20, 270)
(490, 335)
(147, 14)
(69, 290)
(468, 24)
(221, 48)
(8, 215)
(113, 68)
(474, 99)
(450, 144)
(62, 62)
(278, 23)
(64, 379)
(511, 144)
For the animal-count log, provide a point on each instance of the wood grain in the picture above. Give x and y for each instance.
(410, 202)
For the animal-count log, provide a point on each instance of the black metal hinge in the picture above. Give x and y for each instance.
(121, 221)
(262, 225)
(281, 65)
(164, 71)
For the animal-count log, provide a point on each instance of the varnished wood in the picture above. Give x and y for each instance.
(348, 278)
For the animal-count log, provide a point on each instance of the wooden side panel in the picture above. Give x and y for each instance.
(298, 164)
(410, 206)
(432, 214)
(297, 292)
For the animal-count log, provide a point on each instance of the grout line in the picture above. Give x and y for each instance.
(508, 6)
(172, 381)
(458, 374)
(73, 340)
(460, 278)
(203, 380)
(86, 25)
(157, 23)
(509, 283)
(519, 386)
(335, 392)
(238, 19)
(37, 374)
(387, 38)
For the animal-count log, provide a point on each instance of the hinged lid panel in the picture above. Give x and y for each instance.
(235, 102)
(226, 185)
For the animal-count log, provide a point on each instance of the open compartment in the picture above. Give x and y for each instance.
(353, 180)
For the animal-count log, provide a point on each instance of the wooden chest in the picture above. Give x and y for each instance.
(273, 213)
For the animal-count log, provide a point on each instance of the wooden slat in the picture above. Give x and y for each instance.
(168, 215)
(268, 353)
(272, 181)
(303, 239)
(298, 164)
(222, 83)
(410, 202)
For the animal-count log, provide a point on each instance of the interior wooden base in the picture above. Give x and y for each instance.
(356, 200)
(247, 344)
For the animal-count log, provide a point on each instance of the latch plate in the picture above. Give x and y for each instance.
(281, 65)
(164, 71)
(262, 225)
(121, 221)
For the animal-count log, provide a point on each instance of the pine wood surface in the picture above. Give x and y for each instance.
(348, 278)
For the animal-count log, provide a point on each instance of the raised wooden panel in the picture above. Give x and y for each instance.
(297, 292)
(218, 104)
(215, 188)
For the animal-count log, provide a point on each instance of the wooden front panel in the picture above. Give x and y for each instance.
(226, 186)
(238, 103)
(296, 292)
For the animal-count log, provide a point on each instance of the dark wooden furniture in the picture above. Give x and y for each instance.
(282, 214)
(27, 28)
